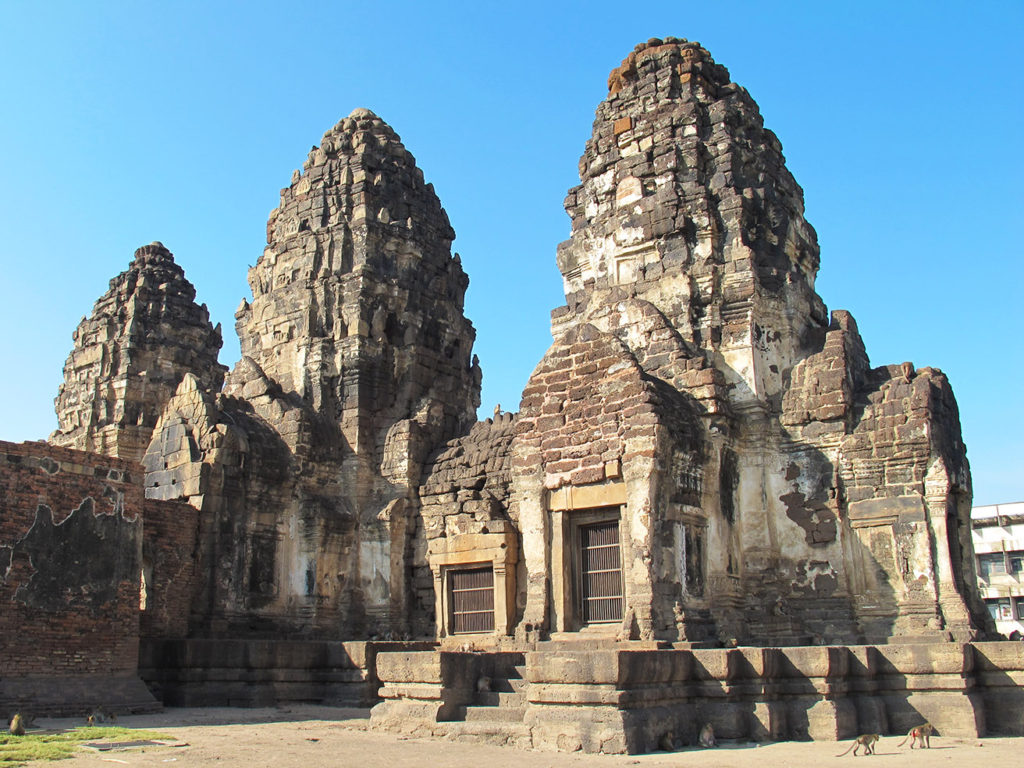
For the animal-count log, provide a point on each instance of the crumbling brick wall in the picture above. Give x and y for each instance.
(70, 546)
(466, 490)
(169, 556)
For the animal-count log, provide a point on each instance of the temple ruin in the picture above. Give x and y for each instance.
(707, 490)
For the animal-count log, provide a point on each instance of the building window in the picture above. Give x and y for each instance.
(601, 573)
(1016, 561)
(1000, 609)
(991, 564)
(471, 592)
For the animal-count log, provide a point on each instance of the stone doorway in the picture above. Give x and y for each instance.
(592, 559)
(588, 547)
(474, 583)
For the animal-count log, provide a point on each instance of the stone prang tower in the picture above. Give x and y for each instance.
(130, 354)
(704, 473)
(704, 454)
(356, 362)
(357, 300)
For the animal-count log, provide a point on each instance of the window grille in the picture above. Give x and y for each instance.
(472, 600)
(602, 573)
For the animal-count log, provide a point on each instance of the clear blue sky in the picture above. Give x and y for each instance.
(177, 121)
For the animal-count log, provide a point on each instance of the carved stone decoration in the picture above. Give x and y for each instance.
(357, 298)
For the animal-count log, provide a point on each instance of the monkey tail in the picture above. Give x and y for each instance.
(904, 740)
(848, 749)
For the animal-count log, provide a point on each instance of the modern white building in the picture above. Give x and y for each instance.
(998, 533)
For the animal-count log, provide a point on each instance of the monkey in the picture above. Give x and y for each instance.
(707, 736)
(17, 725)
(483, 684)
(907, 369)
(99, 716)
(920, 733)
(866, 740)
(27, 721)
(667, 742)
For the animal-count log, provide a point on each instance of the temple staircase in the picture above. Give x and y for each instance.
(496, 712)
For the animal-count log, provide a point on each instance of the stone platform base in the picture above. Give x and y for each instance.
(621, 700)
(75, 696)
(261, 673)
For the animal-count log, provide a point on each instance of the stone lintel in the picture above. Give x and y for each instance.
(570, 497)
(886, 511)
(474, 548)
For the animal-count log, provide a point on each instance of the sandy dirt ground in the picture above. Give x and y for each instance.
(312, 736)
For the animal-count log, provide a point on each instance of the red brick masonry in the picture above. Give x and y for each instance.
(70, 550)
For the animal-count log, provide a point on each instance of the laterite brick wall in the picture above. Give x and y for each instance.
(169, 553)
(70, 551)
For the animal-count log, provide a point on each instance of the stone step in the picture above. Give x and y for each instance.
(500, 699)
(511, 734)
(785, 641)
(504, 665)
(508, 684)
(580, 641)
(494, 714)
(505, 685)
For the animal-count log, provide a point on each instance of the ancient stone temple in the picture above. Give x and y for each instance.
(709, 507)
(703, 453)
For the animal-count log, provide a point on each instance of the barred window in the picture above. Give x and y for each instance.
(602, 573)
(471, 592)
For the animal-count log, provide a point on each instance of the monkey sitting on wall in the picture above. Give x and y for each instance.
(667, 742)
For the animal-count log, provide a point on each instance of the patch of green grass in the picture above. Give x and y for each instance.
(15, 750)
